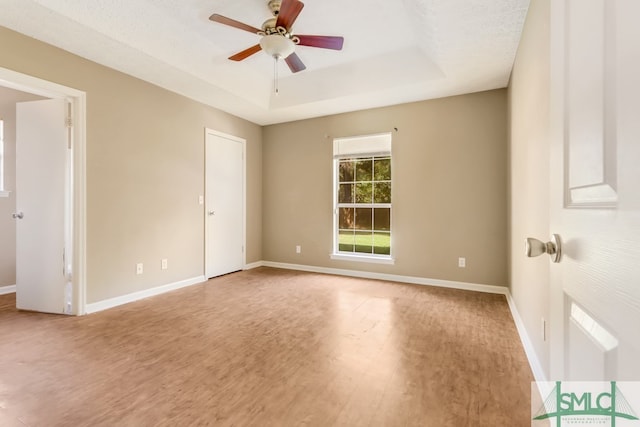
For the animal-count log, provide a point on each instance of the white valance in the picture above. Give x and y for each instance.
(366, 145)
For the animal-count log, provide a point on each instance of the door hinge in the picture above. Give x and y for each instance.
(68, 122)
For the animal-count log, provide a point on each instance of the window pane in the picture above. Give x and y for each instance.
(364, 192)
(382, 219)
(382, 192)
(361, 228)
(346, 170)
(382, 169)
(382, 243)
(364, 170)
(364, 242)
(346, 240)
(363, 218)
(346, 220)
(346, 193)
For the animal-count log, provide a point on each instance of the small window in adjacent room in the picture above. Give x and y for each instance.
(362, 198)
(3, 192)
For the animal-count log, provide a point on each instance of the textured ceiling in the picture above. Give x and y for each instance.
(395, 51)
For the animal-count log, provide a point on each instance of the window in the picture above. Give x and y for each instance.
(362, 201)
(3, 193)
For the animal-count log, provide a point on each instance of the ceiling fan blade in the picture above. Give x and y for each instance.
(289, 11)
(233, 23)
(245, 53)
(325, 42)
(294, 63)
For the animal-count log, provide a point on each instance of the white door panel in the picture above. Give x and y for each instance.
(595, 178)
(224, 211)
(41, 175)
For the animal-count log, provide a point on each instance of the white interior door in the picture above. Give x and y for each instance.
(41, 199)
(224, 210)
(595, 188)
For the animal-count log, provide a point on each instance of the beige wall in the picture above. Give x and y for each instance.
(529, 173)
(145, 170)
(449, 187)
(8, 99)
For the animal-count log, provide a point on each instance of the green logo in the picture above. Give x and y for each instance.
(585, 407)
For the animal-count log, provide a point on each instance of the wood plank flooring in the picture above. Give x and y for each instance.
(270, 347)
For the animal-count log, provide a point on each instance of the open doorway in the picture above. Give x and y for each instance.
(70, 260)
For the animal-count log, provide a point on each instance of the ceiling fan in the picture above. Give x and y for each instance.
(277, 38)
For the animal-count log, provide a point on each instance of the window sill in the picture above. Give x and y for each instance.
(363, 258)
(5, 193)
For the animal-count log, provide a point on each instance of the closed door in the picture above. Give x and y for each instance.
(224, 210)
(595, 188)
(41, 199)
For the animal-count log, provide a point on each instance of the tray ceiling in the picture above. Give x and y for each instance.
(394, 51)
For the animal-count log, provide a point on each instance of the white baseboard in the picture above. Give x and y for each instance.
(135, 296)
(7, 289)
(491, 289)
(534, 362)
(253, 265)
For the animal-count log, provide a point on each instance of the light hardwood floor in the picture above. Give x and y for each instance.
(270, 347)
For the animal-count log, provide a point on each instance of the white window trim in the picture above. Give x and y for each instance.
(374, 259)
(381, 144)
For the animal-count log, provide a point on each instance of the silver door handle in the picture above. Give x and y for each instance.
(212, 213)
(17, 215)
(534, 247)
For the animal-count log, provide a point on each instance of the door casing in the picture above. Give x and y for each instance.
(77, 98)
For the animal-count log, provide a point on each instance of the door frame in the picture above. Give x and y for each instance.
(78, 214)
(243, 141)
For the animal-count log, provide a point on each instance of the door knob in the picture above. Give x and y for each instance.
(212, 213)
(534, 247)
(17, 215)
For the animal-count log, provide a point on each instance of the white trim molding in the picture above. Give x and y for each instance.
(491, 289)
(136, 296)
(78, 245)
(534, 362)
(253, 265)
(4, 290)
(363, 258)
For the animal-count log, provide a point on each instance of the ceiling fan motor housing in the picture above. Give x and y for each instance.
(269, 25)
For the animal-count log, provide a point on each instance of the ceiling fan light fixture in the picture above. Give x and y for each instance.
(277, 46)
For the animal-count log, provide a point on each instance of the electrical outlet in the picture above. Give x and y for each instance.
(165, 264)
(298, 249)
(462, 262)
(139, 268)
